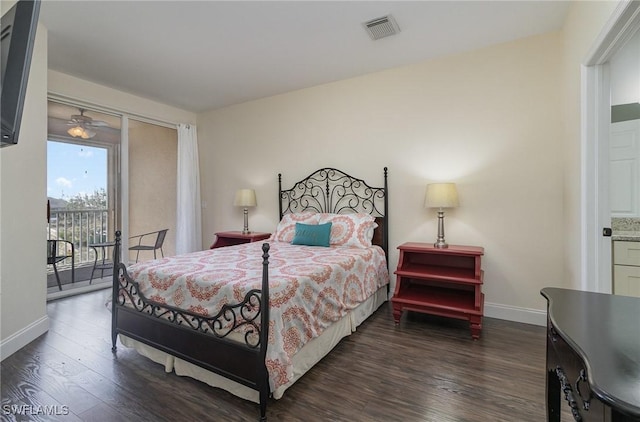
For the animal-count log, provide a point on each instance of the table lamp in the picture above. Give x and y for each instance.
(245, 198)
(440, 196)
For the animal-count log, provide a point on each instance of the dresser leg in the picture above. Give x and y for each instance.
(553, 396)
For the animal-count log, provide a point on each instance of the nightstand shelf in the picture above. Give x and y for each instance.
(445, 282)
(440, 273)
(436, 298)
(237, 237)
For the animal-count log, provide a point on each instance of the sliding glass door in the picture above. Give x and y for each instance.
(108, 171)
(82, 187)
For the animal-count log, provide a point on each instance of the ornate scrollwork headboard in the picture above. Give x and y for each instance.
(333, 191)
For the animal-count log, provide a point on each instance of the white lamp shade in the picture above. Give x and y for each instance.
(245, 198)
(441, 195)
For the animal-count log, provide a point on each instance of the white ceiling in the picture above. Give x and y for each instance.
(200, 55)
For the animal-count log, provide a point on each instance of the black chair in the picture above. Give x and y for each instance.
(159, 240)
(57, 251)
(105, 264)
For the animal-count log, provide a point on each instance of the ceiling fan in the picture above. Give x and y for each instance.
(82, 125)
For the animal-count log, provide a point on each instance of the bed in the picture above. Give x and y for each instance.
(202, 314)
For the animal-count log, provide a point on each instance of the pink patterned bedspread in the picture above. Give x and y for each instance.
(310, 288)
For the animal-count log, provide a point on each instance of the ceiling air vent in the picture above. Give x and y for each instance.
(381, 27)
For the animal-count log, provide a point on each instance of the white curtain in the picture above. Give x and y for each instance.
(189, 224)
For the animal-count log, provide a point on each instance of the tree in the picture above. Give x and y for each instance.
(97, 200)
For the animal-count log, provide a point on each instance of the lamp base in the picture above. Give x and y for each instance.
(440, 243)
(246, 230)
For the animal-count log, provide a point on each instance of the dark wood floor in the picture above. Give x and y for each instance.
(425, 369)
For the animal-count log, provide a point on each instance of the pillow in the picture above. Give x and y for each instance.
(354, 230)
(312, 234)
(287, 226)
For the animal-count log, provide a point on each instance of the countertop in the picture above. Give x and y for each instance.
(628, 236)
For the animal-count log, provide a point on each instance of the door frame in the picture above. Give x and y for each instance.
(595, 125)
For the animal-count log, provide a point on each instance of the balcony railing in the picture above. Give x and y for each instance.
(82, 227)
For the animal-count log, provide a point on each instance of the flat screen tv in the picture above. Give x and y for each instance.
(17, 36)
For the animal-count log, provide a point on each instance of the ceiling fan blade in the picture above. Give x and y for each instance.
(98, 123)
(81, 119)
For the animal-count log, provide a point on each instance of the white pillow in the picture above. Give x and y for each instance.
(354, 230)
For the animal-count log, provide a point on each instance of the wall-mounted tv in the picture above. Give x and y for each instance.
(17, 36)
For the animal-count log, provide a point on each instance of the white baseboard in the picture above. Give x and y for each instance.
(17, 341)
(516, 314)
(79, 289)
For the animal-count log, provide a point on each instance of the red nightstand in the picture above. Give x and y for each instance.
(236, 238)
(445, 282)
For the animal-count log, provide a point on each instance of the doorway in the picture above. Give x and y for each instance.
(136, 193)
(82, 195)
(596, 118)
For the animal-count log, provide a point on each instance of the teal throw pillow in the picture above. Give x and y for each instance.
(312, 234)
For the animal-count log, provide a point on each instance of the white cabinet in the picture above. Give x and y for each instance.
(624, 167)
(626, 268)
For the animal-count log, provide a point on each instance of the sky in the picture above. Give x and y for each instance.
(75, 169)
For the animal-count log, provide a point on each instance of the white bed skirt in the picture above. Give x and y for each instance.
(309, 355)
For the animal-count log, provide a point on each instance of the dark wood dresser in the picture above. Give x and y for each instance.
(593, 355)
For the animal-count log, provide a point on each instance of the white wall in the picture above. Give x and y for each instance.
(23, 221)
(489, 120)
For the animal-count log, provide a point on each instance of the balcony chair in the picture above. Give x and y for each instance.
(105, 263)
(159, 236)
(57, 251)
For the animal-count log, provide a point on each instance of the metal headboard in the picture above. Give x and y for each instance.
(333, 191)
